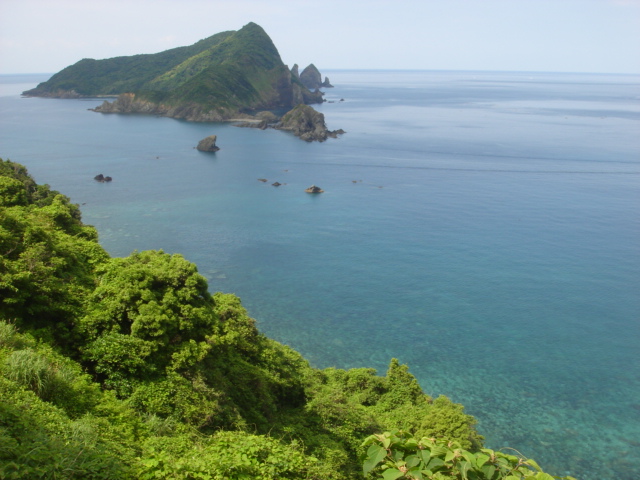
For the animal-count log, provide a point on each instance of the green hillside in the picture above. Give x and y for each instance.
(235, 71)
(129, 368)
(113, 76)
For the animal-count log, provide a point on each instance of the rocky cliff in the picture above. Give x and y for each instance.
(312, 79)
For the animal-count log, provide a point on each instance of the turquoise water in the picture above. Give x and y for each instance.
(481, 227)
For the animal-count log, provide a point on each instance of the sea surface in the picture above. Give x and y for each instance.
(483, 227)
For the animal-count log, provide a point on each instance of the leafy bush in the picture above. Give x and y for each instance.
(47, 256)
(39, 441)
(153, 300)
(397, 455)
(225, 456)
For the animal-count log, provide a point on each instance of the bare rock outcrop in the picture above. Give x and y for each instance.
(294, 71)
(308, 124)
(128, 103)
(208, 144)
(311, 78)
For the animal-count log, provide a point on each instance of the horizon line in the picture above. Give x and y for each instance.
(460, 70)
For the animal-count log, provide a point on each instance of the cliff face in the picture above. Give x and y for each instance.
(311, 78)
(224, 76)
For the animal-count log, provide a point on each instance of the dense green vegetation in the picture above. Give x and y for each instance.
(400, 455)
(233, 71)
(116, 75)
(121, 368)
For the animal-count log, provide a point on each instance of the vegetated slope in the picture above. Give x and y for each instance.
(113, 76)
(228, 73)
(129, 368)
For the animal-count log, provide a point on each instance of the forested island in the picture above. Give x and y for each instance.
(233, 75)
(129, 368)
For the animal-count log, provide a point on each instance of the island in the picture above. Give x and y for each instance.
(232, 75)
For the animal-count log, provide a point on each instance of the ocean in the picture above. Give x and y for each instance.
(482, 227)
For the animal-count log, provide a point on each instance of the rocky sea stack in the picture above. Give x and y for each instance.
(307, 123)
(311, 78)
(208, 144)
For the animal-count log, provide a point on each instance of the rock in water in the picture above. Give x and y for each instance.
(307, 123)
(208, 144)
(314, 189)
(311, 78)
(101, 178)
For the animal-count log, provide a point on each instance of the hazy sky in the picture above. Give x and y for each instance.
(42, 36)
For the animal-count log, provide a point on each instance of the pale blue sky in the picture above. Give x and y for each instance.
(521, 35)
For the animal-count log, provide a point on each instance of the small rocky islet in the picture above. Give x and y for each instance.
(102, 178)
(208, 144)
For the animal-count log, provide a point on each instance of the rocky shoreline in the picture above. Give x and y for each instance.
(127, 103)
(303, 121)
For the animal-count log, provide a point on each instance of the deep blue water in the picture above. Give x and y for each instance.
(482, 227)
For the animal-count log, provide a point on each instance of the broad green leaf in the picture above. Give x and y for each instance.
(481, 459)
(534, 464)
(375, 455)
(434, 463)
(368, 440)
(411, 444)
(449, 456)
(373, 449)
(543, 476)
(470, 457)
(412, 460)
(415, 473)
(464, 468)
(392, 474)
(438, 451)
(488, 471)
